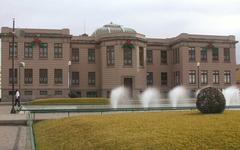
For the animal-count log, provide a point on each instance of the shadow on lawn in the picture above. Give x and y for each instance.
(197, 113)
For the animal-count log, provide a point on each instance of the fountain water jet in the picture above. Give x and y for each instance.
(150, 96)
(178, 93)
(119, 95)
(232, 95)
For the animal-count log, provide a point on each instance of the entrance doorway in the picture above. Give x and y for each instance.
(128, 83)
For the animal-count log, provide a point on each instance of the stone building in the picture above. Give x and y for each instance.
(238, 75)
(91, 65)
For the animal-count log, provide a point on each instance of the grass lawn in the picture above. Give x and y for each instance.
(82, 101)
(141, 130)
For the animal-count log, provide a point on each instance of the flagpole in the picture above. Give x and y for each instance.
(13, 111)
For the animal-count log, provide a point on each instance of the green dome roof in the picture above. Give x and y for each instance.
(112, 28)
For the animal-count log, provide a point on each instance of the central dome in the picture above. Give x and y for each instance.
(112, 28)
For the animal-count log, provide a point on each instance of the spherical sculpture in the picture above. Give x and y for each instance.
(210, 100)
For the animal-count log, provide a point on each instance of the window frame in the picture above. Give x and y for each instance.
(204, 76)
(149, 56)
(203, 54)
(43, 76)
(11, 49)
(227, 77)
(10, 74)
(149, 78)
(164, 57)
(91, 56)
(215, 54)
(28, 76)
(216, 77)
(91, 78)
(58, 76)
(127, 57)
(110, 55)
(43, 50)
(75, 55)
(226, 58)
(191, 54)
(164, 78)
(192, 77)
(75, 81)
(28, 50)
(58, 50)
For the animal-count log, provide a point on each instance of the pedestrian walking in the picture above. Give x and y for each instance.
(17, 98)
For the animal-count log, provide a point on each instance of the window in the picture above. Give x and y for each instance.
(164, 78)
(227, 77)
(27, 92)
(91, 78)
(204, 54)
(192, 77)
(58, 76)
(43, 50)
(91, 55)
(191, 54)
(176, 57)
(43, 92)
(75, 78)
(204, 77)
(215, 55)
(57, 92)
(28, 76)
(163, 57)
(43, 76)
(110, 55)
(75, 55)
(58, 50)
(149, 78)
(177, 78)
(226, 54)
(11, 73)
(11, 49)
(28, 50)
(149, 56)
(127, 60)
(215, 77)
(92, 94)
(141, 56)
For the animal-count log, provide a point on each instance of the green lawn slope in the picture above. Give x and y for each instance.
(80, 101)
(141, 130)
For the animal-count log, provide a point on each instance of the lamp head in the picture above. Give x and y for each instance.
(198, 64)
(22, 64)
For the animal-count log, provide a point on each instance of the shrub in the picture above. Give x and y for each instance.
(73, 94)
(210, 100)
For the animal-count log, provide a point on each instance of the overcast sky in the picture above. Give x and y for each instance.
(154, 18)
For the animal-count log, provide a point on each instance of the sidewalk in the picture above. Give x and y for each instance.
(14, 133)
(13, 130)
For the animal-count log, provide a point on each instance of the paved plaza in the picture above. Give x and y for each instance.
(13, 132)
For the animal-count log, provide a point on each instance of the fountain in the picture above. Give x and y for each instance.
(150, 97)
(178, 93)
(119, 95)
(232, 95)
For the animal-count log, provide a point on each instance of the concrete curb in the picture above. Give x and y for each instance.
(10, 103)
(13, 122)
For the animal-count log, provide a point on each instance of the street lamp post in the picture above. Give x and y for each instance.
(13, 111)
(21, 65)
(69, 64)
(198, 66)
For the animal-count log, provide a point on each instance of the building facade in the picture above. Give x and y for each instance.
(238, 75)
(56, 62)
